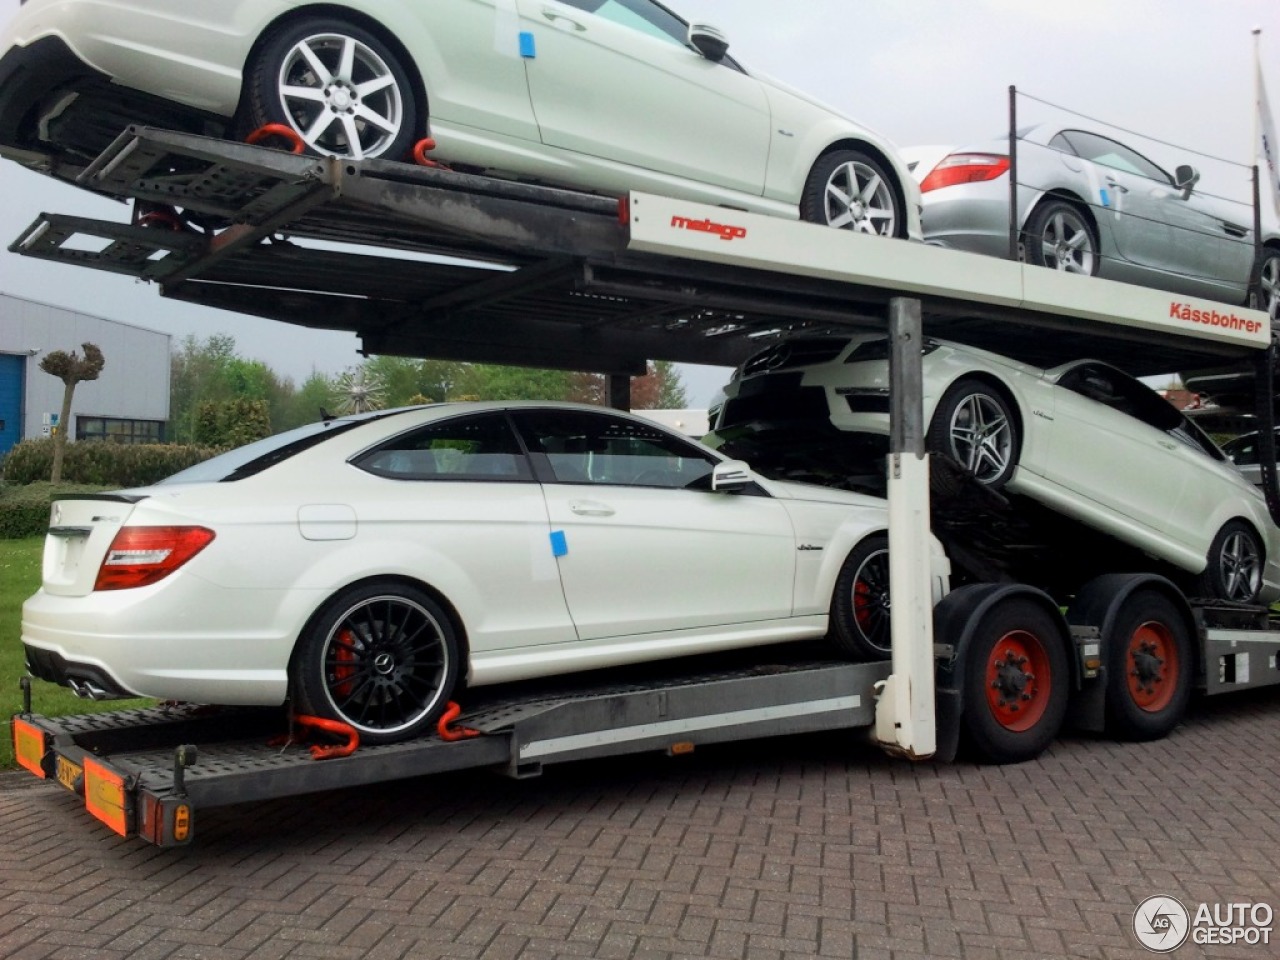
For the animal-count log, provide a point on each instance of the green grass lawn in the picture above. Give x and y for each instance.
(19, 578)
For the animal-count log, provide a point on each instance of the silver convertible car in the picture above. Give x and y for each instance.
(1084, 439)
(1088, 204)
(599, 95)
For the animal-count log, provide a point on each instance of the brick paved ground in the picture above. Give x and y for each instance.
(783, 849)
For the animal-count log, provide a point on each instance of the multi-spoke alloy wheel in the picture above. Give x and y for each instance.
(338, 86)
(1269, 284)
(383, 659)
(1234, 571)
(849, 190)
(1061, 238)
(975, 426)
(860, 607)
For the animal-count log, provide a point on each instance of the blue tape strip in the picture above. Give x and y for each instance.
(1106, 199)
(527, 47)
(559, 545)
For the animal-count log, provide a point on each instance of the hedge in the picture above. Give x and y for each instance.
(100, 463)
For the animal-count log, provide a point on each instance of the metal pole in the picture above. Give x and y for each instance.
(905, 714)
(619, 387)
(1013, 172)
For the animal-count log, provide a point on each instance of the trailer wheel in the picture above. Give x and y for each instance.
(1234, 571)
(860, 607)
(382, 657)
(1016, 683)
(849, 190)
(340, 87)
(976, 426)
(1149, 669)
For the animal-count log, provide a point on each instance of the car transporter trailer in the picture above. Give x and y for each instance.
(424, 261)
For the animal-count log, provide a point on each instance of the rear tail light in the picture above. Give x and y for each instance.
(965, 168)
(139, 556)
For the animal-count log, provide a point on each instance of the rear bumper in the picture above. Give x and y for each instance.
(28, 76)
(86, 679)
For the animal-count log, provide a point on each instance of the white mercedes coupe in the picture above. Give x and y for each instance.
(1083, 438)
(599, 95)
(368, 567)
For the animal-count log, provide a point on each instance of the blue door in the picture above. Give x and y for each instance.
(12, 370)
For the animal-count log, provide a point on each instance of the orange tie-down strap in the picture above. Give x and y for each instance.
(444, 727)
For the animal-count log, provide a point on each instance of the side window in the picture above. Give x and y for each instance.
(1109, 153)
(579, 447)
(463, 448)
(643, 15)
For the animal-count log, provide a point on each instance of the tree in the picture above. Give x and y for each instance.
(70, 369)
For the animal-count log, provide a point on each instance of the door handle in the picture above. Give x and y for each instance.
(560, 20)
(591, 508)
(1118, 187)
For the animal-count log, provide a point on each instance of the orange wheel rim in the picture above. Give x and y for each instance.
(1019, 681)
(1151, 666)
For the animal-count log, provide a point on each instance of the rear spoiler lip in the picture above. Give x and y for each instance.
(109, 497)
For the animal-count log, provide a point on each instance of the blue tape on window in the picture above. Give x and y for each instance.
(559, 545)
(1106, 199)
(527, 47)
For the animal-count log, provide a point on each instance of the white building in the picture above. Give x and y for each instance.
(129, 402)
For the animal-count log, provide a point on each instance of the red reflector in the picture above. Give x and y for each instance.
(965, 168)
(143, 555)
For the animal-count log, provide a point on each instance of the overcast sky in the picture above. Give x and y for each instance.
(919, 71)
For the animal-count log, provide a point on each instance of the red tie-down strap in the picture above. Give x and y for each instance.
(283, 131)
(319, 751)
(447, 732)
(420, 151)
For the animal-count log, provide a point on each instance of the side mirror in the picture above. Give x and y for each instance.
(1185, 178)
(708, 41)
(730, 477)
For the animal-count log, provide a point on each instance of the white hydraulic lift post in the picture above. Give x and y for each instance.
(905, 714)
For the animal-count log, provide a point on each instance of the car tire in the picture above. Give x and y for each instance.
(341, 120)
(975, 425)
(1269, 283)
(1234, 571)
(850, 190)
(381, 657)
(1149, 669)
(860, 605)
(1060, 236)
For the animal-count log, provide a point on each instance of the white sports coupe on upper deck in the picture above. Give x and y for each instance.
(601, 95)
(1084, 439)
(369, 566)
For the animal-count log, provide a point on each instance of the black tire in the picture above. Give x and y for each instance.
(1149, 669)
(1016, 683)
(1269, 283)
(975, 425)
(850, 190)
(1060, 236)
(1236, 560)
(382, 657)
(349, 113)
(860, 605)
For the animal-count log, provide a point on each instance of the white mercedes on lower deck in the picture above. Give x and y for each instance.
(367, 567)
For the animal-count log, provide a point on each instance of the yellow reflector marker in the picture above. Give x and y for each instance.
(680, 748)
(28, 747)
(104, 796)
(181, 823)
